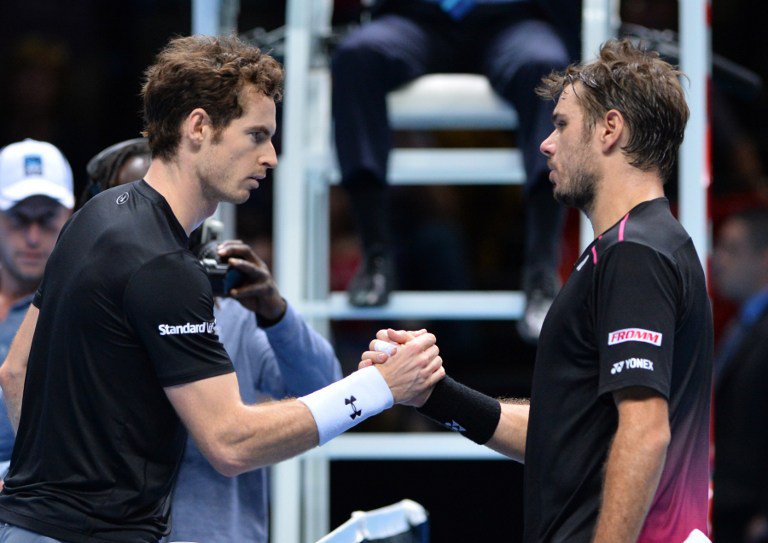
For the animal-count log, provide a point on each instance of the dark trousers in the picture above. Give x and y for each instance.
(512, 47)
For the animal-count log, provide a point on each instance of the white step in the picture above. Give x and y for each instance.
(453, 166)
(456, 167)
(427, 305)
(399, 446)
(449, 101)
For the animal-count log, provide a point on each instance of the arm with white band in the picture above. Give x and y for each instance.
(236, 437)
(371, 390)
(345, 403)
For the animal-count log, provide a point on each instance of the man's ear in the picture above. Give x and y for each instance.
(195, 126)
(612, 130)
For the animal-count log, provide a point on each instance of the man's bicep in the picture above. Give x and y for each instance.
(643, 413)
(641, 403)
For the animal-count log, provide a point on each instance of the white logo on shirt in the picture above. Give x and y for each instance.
(635, 334)
(122, 199)
(188, 328)
(631, 364)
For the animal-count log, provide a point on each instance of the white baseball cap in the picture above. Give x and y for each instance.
(34, 168)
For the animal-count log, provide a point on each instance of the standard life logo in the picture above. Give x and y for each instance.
(188, 328)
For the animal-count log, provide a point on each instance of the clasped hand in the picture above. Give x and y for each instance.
(409, 361)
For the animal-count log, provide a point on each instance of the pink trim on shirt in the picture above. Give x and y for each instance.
(622, 224)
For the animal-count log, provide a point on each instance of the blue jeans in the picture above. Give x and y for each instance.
(14, 534)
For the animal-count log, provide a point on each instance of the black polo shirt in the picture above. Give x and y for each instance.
(634, 312)
(125, 310)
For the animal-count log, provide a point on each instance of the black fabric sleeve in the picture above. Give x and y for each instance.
(37, 300)
(169, 304)
(462, 409)
(637, 294)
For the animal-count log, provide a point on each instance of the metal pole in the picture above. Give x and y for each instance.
(216, 18)
(599, 23)
(290, 220)
(290, 177)
(205, 17)
(695, 174)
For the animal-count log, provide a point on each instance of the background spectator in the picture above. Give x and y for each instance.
(35, 201)
(740, 274)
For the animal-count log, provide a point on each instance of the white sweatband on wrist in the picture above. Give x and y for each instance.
(384, 347)
(343, 404)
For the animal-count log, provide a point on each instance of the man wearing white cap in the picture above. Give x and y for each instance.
(36, 199)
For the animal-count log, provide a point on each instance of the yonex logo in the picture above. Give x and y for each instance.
(635, 334)
(631, 364)
(122, 198)
(188, 328)
(455, 426)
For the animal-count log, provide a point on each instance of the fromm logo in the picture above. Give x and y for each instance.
(635, 334)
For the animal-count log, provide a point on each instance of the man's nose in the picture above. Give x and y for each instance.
(270, 158)
(34, 234)
(547, 146)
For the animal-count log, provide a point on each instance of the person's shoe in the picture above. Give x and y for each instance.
(372, 283)
(540, 292)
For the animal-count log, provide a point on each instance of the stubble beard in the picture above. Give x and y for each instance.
(210, 184)
(581, 192)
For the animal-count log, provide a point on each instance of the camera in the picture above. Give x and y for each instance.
(203, 244)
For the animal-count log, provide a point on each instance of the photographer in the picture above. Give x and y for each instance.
(274, 352)
(118, 359)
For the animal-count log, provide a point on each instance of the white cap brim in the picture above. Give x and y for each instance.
(35, 186)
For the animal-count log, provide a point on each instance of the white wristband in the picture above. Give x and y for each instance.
(343, 404)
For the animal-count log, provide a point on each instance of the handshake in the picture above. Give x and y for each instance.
(400, 367)
(406, 368)
(409, 361)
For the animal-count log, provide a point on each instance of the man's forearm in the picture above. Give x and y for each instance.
(237, 437)
(635, 463)
(511, 433)
(270, 433)
(14, 370)
(13, 389)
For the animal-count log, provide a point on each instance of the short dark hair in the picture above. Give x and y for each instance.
(645, 89)
(206, 72)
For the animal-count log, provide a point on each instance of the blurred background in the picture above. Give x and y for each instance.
(70, 74)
